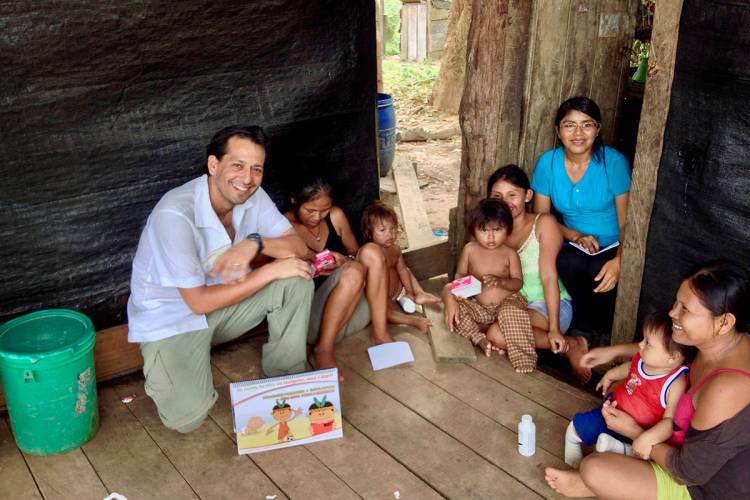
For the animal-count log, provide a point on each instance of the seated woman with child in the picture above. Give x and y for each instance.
(537, 239)
(712, 313)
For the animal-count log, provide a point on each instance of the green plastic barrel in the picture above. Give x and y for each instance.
(47, 372)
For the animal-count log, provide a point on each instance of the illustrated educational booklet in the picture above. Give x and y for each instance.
(286, 411)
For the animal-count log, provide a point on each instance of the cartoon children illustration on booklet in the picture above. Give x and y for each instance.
(282, 413)
(322, 415)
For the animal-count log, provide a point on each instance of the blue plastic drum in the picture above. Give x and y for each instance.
(386, 133)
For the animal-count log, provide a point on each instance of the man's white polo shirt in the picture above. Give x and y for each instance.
(181, 235)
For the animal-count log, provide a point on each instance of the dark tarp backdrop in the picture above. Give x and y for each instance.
(702, 203)
(108, 105)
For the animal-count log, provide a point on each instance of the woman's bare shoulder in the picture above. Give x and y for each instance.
(547, 223)
(338, 216)
(721, 398)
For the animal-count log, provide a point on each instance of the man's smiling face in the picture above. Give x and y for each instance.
(239, 173)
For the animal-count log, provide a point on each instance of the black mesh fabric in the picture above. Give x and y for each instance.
(702, 204)
(107, 105)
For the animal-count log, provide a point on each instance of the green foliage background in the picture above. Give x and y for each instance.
(392, 27)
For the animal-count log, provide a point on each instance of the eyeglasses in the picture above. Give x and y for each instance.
(586, 127)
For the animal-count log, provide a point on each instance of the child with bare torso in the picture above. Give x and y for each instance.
(499, 268)
(497, 261)
(388, 276)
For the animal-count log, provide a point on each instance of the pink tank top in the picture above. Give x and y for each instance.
(685, 410)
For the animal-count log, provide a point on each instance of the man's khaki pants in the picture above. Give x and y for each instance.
(178, 368)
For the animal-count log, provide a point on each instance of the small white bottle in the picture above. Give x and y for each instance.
(407, 304)
(526, 436)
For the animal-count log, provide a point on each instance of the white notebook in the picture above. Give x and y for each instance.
(583, 249)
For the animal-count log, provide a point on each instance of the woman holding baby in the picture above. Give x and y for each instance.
(710, 312)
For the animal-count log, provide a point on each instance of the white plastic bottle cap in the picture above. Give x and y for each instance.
(526, 418)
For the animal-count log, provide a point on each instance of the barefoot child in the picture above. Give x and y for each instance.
(388, 277)
(490, 222)
(653, 382)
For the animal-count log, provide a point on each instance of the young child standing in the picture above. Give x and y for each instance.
(490, 260)
(387, 276)
(653, 382)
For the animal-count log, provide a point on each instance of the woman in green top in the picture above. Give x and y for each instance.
(537, 239)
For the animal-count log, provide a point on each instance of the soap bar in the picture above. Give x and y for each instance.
(466, 287)
(323, 260)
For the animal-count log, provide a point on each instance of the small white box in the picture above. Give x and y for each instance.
(466, 287)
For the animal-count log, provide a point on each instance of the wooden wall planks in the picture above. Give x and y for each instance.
(575, 49)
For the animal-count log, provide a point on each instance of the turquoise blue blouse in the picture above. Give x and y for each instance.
(589, 205)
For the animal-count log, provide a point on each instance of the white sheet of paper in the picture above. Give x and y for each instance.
(390, 354)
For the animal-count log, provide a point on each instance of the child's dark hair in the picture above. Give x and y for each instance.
(309, 189)
(659, 323)
(376, 211)
(487, 211)
(723, 288)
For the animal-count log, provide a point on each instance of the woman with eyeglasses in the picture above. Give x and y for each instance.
(587, 183)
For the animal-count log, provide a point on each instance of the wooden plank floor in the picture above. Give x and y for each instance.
(427, 430)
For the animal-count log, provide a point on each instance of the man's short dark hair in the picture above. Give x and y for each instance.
(218, 145)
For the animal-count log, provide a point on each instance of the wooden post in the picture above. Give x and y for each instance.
(491, 108)
(645, 169)
(449, 86)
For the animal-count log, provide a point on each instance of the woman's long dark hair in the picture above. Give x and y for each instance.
(722, 288)
(511, 173)
(588, 107)
(308, 189)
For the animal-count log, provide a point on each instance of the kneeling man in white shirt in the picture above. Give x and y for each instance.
(192, 286)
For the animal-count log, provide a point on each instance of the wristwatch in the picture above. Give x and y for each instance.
(256, 238)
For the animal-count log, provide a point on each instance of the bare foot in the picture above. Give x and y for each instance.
(380, 338)
(486, 346)
(567, 482)
(426, 298)
(577, 347)
(420, 323)
(525, 369)
(320, 360)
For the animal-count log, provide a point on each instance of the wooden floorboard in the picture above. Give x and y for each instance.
(447, 345)
(295, 470)
(68, 476)
(16, 480)
(205, 458)
(342, 459)
(369, 470)
(484, 418)
(426, 430)
(546, 390)
(127, 459)
(449, 466)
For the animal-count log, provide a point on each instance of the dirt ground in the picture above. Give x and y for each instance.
(437, 162)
